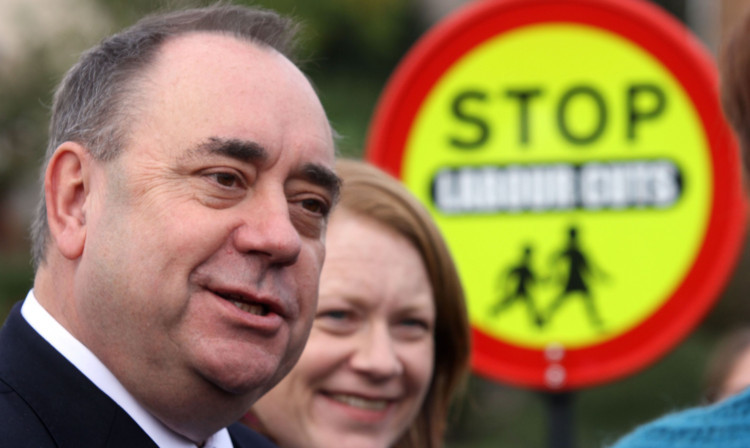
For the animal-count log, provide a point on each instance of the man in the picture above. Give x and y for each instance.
(725, 424)
(179, 244)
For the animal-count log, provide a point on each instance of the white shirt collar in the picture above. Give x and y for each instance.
(81, 357)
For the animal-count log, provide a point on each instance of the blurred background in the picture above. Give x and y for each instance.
(350, 47)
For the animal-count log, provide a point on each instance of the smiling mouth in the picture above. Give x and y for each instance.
(239, 301)
(359, 402)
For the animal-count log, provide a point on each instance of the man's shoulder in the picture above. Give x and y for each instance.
(21, 422)
(21, 426)
(720, 425)
(46, 401)
(244, 437)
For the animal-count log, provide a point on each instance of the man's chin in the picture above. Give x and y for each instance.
(249, 386)
(245, 381)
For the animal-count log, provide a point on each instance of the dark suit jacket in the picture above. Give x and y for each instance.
(45, 401)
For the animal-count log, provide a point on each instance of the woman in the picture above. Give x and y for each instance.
(390, 342)
(728, 371)
(726, 423)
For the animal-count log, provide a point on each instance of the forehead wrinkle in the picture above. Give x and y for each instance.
(356, 300)
(362, 300)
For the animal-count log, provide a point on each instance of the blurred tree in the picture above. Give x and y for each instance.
(349, 49)
(36, 47)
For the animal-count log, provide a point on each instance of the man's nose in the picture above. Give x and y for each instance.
(267, 229)
(376, 355)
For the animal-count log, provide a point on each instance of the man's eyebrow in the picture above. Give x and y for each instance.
(251, 152)
(323, 177)
(243, 150)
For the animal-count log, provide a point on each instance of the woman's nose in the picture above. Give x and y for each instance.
(376, 354)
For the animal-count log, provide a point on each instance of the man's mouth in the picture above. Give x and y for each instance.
(240, 302)
(359, 402)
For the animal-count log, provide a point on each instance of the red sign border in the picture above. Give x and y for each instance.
(675, 47)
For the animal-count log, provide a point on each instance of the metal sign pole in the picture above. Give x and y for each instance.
(560, 419)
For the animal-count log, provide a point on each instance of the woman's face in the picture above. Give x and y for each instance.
(367, 366)
(739, 376)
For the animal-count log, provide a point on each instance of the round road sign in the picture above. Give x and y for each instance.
(575, 156)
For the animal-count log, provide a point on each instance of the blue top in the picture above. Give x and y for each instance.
(725, 424)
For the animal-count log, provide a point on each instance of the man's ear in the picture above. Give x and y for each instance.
(66, 189)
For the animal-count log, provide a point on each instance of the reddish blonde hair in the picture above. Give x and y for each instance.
(734, 67)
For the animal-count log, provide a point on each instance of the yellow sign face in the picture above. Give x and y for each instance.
(573, 183)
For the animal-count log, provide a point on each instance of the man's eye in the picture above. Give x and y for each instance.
(226, 179)
(315, 206)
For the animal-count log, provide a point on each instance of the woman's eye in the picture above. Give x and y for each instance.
(416, 323)
(337, 322)
(413, 329)
(335, 314)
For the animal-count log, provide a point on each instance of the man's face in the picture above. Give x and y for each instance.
(205, 237)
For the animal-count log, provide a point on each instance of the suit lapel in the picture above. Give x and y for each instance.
(244, 437)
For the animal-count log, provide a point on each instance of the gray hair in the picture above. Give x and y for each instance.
(93, 102)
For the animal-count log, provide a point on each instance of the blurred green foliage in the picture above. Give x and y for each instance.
(349, 48)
